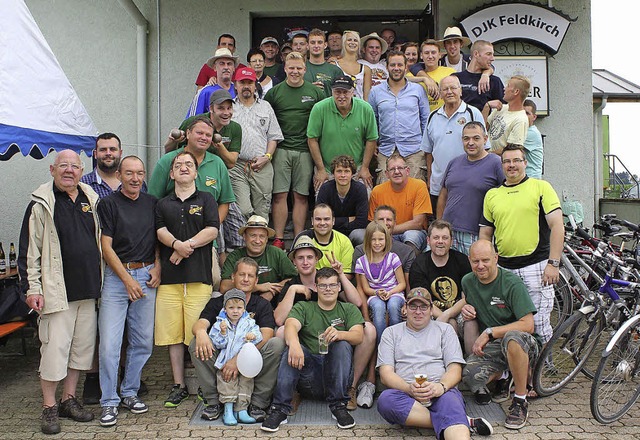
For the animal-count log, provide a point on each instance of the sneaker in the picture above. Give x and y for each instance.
(273, 421)
(366, 390)
(212, 412)
(257, 413)
(278, 242)
(134, 404)
(50, 423)
(502, 392)
(109, 416)
(352, 404)
(91, 392)
(176, 396)
(518, 412)
(482, 396)
(480, 426)
(201, 396)
(342, 416)
(72, 409)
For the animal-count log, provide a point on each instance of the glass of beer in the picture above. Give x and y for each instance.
(323, 344)
(421, 378)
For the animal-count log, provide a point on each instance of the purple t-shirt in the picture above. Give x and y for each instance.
(380, 275)
(467, 182)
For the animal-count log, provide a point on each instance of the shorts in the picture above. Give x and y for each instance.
(178, 307)
(68, 339)
(417, 163)
(480, 369)
(416, 237)
(293, 170)
(447, 410)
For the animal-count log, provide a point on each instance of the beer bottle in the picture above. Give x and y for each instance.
(3, 261)
(13, 263)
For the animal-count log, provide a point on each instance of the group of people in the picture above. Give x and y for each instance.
(426, 176)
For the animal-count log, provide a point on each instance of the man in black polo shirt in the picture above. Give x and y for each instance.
(60, 237)
(131, 276)
(204, 355)
(186, 223)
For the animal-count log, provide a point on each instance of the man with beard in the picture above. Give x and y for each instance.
(399, 124)
(252, 175)
(225, 63)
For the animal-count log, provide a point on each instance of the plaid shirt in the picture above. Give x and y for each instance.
(101, 188)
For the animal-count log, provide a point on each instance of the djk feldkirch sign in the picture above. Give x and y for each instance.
(544, 27)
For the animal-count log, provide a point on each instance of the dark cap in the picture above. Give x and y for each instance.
(234, 294)
(220, 96)
(342, 82)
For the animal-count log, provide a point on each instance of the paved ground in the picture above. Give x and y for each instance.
(564, 416)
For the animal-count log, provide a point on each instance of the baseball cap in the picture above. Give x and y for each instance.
(419, 294)
(269, 40)
(342, 82)
(220, 96)
(245, 73)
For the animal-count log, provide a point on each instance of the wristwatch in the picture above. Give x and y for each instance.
(489, 332)
(268, 155)
(554, 263)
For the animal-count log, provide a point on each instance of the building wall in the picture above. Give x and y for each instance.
(95, 43)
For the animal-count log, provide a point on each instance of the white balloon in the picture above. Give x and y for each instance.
(249, 360)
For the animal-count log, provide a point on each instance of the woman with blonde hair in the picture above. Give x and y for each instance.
(349, 65)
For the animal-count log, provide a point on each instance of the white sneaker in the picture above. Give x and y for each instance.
(366, 390)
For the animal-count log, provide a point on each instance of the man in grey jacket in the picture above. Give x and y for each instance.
(60, 265)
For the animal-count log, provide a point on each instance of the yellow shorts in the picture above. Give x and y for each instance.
(68, 339)
(178, 307)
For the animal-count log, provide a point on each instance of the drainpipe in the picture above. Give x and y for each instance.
(142, 26)
(597, 138)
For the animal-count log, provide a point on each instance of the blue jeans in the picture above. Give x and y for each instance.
(323, 376)
(379, 310)
(115, 310)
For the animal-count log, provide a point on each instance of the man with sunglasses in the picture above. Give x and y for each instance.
(407, 353)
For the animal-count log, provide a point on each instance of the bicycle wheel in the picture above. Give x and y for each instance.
(616, 385)
(562, 303)
(566, 352)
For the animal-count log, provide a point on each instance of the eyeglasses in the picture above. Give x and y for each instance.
(449, 89)
(330, 286)
(73, 166)
(394, 169)
(178, 165)
(421, 307)
(512, 161)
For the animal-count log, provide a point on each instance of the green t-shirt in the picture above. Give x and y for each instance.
(503, 301)
(313, 319)
(273, 265)
(213, 177)
(272, 70)
(342, 135)
(324, 72)
(292, 106)
(231, 134)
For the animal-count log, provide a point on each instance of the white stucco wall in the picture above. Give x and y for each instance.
(95, 43)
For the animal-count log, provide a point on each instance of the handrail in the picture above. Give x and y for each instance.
(625, 192)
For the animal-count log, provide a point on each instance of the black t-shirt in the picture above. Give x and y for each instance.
(298, 296)
(444, 283)
(470, 95)
(80, 254)
(259, 309)
(131, 224)
(184, 220)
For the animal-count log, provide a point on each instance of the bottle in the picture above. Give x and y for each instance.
(13, 262)
(3, 261)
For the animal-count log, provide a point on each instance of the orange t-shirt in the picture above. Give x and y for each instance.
(412, 200)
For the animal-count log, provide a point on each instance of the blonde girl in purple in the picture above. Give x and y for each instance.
(380, 277)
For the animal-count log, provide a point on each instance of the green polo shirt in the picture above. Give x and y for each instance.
(213, 178)
(231, 134)
(342, 135)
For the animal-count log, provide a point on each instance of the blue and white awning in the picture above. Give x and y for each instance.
(40, 111)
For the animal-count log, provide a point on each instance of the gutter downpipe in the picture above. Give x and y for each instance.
(597, 138)
(142, 26)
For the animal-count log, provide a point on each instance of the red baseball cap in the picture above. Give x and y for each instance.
(245, 73)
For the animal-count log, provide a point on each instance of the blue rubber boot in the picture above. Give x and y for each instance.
(244, 417)
(228, 418)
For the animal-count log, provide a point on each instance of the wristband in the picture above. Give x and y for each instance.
(443, 387)
(173, 242)
(268, 155)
